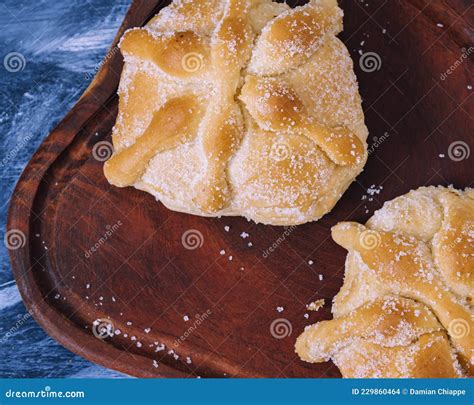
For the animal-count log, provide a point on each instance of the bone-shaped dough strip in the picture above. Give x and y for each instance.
(173, 124)
(222, 126)
(392, 321)
(294, 36)
(212, 191)
(181, 54)
(276, 107)
(430, 356)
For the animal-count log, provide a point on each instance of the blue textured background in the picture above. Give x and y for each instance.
(61, 42)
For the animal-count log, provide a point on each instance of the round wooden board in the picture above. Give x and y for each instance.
(92, 251)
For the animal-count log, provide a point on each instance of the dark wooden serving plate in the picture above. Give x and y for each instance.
(63, 205)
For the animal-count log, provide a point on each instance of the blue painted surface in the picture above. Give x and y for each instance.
(57, 46)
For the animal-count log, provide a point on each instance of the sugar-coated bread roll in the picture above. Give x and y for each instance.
(239, 107)
(406, 306)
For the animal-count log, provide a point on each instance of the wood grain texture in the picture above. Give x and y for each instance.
(148, 279)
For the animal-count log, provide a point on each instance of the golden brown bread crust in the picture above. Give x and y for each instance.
(430, 356)
(391, 337)
(279, 131)
(419, 246)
